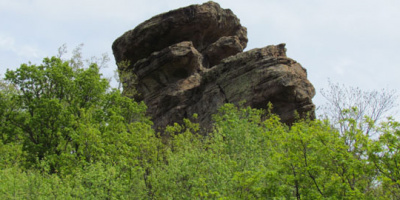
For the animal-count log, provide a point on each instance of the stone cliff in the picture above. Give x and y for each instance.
(191, 60)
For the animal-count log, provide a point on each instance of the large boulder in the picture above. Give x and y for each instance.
(191, 60)
(202, 24)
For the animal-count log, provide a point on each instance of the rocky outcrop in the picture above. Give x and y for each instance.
(191, 60)
(203, 25)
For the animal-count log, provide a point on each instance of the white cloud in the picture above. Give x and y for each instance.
(29, 52)
(8, 43)
(13, 53)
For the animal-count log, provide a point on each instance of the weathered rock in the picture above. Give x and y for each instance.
(222, 48)
(266, 75)
(166, 67)
(202, 24)
(201, 68)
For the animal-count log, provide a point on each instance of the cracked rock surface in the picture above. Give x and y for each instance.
(191, 60)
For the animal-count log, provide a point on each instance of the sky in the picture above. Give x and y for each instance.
(351, 42)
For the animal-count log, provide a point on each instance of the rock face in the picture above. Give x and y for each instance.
(191, 60)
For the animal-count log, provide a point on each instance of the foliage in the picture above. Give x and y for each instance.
(384, 153)
(65, 135)
(64, 116)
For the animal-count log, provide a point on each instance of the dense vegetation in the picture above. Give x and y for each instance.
(65, 134)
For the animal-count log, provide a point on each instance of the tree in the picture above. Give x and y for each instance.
(315, 159)
(65, 114)
(51, 99)
(11, 152)
(384, 153)
(246, 156)
(65, 134)
(366, 108)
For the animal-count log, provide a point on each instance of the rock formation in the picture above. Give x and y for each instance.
(191, 60)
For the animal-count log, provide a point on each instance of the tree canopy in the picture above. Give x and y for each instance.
(65, 134)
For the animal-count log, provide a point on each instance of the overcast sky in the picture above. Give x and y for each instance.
(354, 42)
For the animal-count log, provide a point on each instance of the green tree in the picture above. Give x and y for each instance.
(317, 162)
(63, 114)
(384, 153)
(62, 117)
(51, 99)
(11, 151)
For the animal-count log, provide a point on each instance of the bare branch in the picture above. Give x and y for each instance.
(346, 102)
